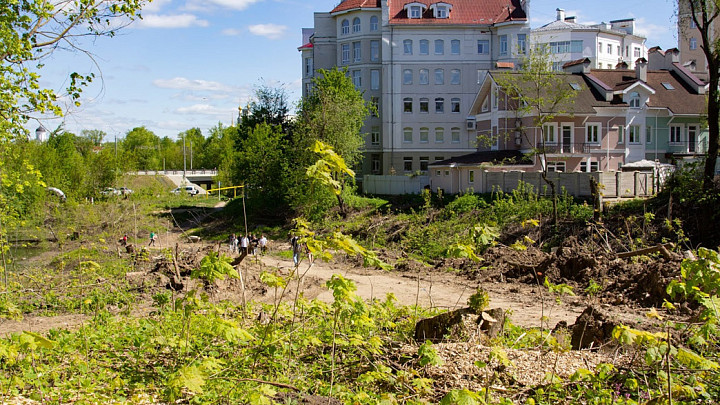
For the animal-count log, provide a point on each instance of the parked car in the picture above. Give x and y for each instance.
(125, 191)
(187, 189)
(110, 191)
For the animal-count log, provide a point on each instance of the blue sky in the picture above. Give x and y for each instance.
(190, 63)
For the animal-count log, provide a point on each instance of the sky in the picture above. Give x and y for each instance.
(191, 63)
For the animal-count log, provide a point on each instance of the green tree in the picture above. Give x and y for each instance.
(705, 15)
(334, 113)
(539, 92)
(193, 142)
(260, 164)
(141, 146)
(269, 107)
(94, 136)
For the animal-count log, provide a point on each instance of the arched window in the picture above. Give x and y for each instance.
(356, 24)
(373, 23)
(345, 26)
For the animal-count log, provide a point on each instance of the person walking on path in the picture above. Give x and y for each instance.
(244, 244)
(232, 243)
(296, 249)
(263, 244)
(153, 238)
(124, 240)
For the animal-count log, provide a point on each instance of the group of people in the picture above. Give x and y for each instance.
(299, 248)
(248, 244)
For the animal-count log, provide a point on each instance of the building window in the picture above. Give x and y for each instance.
(594, 166)
(592, 133)
(692, 23)
(609, 49)
(308, 67)
(376, 164)
(455, 76)
(648, 135)
(599, 47)
(439, 47)
(495, 97)
(407, 76)
(471, 176)
(503, 44)
(636, 52)
(483, 46)
(558, 167)
(675, 134)
(373, 23)
(557, 66)
(356, 24)
(407, 163)
(486, 104)
(549, 131)
(415, 12)
(357, 55)
(618, 51)
(424, 161)
(693, 43)
(455, 105)
(374, 106)
(575, 46)
(375, 136)
(634, 134)
(439, 135)
(375, 79)
(424, 47)
(424, 105)
(447, 172)
(439, 76)
(634, 100)
(455, 135)
(357, 79)
(374, 50)
(407, 47)
(439, 105)
(424, 76)
(455, 47)
(407, 135)
(627, 50)
(345, 53)
(441, 11)
(522, 43)
(424, 135)
(621, 134)
(439, 158)
(345, 27)
(407, 105)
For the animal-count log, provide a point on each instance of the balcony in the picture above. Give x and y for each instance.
(688, 147)
(567, 148)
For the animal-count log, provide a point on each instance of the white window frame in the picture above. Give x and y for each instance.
(439, 135)
(357, 24)
(648, 135)
(455, 135)
(345, 27)
(407, 105)
(406, 160)
(455, 105)
(693, 43)
(415, 12)
(345, 54)
(308, 67)
(550, 137)
(439, 46)
(424, 135)
(439, 105)
(522, 44)
(676, 131)
(407, 135)
(621, 133)
(609, 49)
(503, 41)
(376, 164)
(374, 50)
(424, 76)
(375, 136)
(455, 47)
(375, 79)
(357, 78)
(407, 76)
(424, 162)
(471, 176)
(407, 47)
(556, 167)
(634, 99)
(634, 135)
(439, 76)
(374, 23)
(424, 102)
(424, 47)
(357, 51)
(483, 46)
(455, 77)
(592, 133)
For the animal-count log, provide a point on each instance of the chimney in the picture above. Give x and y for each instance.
(641, 69)
(560, 14)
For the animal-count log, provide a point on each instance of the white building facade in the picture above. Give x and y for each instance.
(607, 45)
(421, 63)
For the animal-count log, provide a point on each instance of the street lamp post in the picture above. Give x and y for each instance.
(184, 161)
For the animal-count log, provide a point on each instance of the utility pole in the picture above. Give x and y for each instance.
(191, 156)
(184, 161)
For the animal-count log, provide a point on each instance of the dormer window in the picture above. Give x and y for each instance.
(415, 10)
(441, 10)
(634, 99)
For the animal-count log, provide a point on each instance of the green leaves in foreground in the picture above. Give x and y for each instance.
(213, 267)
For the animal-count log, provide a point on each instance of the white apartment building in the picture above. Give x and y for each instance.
(421, 62)
(607, 45)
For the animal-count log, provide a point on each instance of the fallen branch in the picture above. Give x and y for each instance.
(663, 249)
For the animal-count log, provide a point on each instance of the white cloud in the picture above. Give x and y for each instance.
(171, 21)
(155, 6)
(204, 109)
(229, 4)
(231, 32)
(271, 31)
(655, 34)
(182, 83)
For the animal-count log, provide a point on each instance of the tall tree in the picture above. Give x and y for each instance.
(705, 15)
(260, 164)
(269, 106)
(334, 113)
(539, 92)
(141, 146)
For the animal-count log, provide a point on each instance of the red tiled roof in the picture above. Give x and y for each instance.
(575, 62)
(352, 4)
(504, 65)
(309, 45)
(463, 12)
